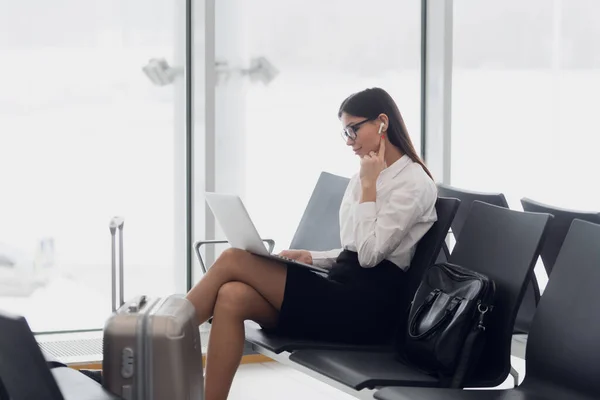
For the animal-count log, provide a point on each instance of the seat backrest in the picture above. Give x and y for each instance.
(3, 392)
(558, 227)
(425, 255)
(319, 228)
(467, 198)
(431, 243)
(532, 295)
(504, 245)
(23, 368)
(562, 347)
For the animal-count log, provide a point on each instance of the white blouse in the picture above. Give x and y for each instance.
(390, 227)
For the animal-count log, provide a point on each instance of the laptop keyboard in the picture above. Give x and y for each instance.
(286, 258)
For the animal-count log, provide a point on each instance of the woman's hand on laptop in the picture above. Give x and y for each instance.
(298, 255)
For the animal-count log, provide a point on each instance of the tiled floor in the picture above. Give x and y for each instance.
(276, 381)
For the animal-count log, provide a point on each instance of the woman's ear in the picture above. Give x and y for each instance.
(386, 121)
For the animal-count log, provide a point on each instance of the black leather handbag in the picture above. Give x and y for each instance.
(446, 323)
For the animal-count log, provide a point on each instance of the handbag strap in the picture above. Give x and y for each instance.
(429, 300)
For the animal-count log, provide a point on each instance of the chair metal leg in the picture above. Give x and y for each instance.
(518, 345)
(515, 374)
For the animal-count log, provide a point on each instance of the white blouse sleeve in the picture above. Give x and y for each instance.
(378, 233)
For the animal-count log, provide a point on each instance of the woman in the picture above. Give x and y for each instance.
(388, 206)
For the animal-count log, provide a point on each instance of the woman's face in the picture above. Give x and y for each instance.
(362, 134)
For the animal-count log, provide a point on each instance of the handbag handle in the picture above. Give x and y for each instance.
(450, 311)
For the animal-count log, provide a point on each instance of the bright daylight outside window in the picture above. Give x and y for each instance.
(526, 78)
(323, 52)
(85, 135)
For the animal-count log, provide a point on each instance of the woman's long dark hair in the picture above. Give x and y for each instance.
(370, 103)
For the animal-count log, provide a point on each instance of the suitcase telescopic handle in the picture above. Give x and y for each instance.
(116, 224)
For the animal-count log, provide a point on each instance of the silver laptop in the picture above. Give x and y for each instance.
(230, 212)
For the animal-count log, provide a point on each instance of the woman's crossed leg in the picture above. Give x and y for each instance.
(239, 286)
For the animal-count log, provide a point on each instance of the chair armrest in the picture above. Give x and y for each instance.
(52, 361)
(75, 385)
(201, 243)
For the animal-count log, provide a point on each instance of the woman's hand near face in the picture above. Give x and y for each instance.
(371, 166)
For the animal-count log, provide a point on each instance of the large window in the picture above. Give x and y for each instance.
(526, 78)
(287, 122)
(84, 136)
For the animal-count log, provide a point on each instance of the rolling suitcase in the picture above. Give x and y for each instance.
(151, 347)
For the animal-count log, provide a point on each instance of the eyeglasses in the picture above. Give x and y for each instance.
(351, 130)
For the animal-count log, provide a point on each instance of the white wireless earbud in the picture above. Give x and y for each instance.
(381, 127)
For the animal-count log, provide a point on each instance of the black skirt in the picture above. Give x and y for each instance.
(352, 304)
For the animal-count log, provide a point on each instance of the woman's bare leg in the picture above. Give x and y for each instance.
(265, 276)
(236, 302)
